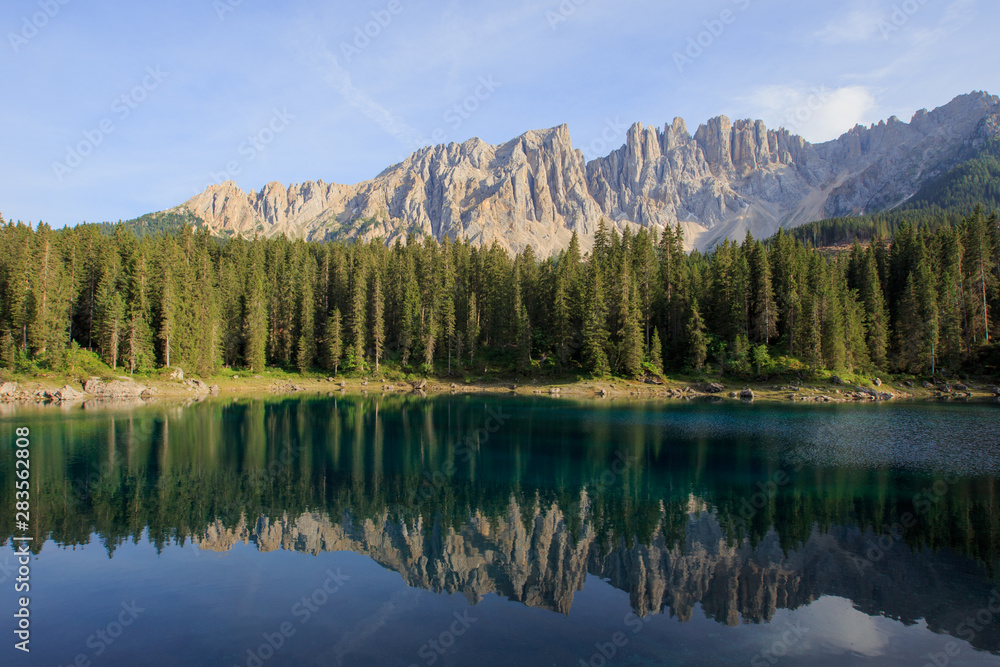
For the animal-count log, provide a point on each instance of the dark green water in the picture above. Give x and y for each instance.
(489, 531)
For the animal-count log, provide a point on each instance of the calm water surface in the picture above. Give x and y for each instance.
(493, 531)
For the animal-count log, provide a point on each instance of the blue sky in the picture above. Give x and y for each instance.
(115, 109)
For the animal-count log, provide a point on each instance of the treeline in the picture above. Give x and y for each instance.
(839, 232)
(154, 224)
(637, 303)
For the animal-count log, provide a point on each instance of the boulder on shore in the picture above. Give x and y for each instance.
(198, 385)
(8, 389)
(115, 389)
(874, 395)
(747, 395)
(714, 388)
(67, 393)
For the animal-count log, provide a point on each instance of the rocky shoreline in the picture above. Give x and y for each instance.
(126, 389)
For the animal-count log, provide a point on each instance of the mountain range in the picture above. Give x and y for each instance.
(726, 179)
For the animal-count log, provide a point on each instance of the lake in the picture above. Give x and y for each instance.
(485, 530)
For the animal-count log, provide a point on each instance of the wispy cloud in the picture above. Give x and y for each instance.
(329, 69)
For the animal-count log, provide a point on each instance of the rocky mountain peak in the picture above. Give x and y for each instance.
(535, 190)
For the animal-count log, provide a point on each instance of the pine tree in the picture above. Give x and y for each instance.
(630, 333)
(856, 346)
(256, 327)
(950, 300)
(19, 298)
(645, 270)
(764, 311)
(978, 271)
(918, 317)
(876, 314)
(306, 352)
(830, 295)
(562, 316)
(523, 341)
(595, 334)
(48, 320)
(378, 320)
(8, 350)
(430, 340)
(359, 320)
(334, 341)
(729, 303)
(785, 270)
(811, 331)
(166, 305)
(410, 310)
(656, 352)
(697, 340)
(675, 288)
(111, 317)
(206, 314)
(472, 327)
(139, 336)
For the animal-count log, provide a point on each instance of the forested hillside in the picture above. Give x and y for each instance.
(975, 182)
(865, 228)
(636, 304)
(167, 222)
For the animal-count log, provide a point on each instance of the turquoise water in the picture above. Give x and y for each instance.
(494, 531)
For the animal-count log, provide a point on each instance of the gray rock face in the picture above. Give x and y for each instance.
(536, 190)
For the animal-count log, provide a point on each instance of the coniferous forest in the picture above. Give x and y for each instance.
(924, 301)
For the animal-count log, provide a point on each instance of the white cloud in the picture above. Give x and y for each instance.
(856, 26)
(818, 114)
(837, 626)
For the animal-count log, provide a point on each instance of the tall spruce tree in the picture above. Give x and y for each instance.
(334, 341)
(656, 351)
(697, 352)
(359, 314)
(630, 334)
(595, 332)
(378, 320)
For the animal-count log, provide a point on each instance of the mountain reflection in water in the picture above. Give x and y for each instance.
(726, 507)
